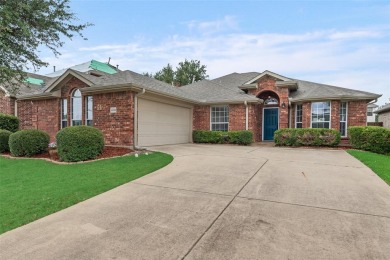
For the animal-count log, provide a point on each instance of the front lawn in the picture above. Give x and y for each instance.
(31, 189)
(379, 163)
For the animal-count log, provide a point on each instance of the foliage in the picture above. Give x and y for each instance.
(9, 122)
(4, 139)
(79, 143)
(221, 137)
(370, 138)
(379, 163)
(307, 137)
(31, 189)
(166, 74)
(28, 142)
(26, 26)
(189, 71)
(186, 73)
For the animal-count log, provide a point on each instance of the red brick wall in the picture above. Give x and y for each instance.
(236, 117)
(255, 121)
(201, 118)
(356, 114)
(335, 114)
(117, 128)
(268, 83)
(40, 114)
(306, 115)
(7, 104)
(357, 111)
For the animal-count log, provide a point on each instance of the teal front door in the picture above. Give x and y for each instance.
(271, 123)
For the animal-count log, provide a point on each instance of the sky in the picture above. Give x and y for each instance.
(341, 43)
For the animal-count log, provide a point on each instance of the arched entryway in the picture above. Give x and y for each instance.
(270, 122)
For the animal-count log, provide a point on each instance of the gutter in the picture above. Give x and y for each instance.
(334, 98)
(246, 115)
(135, 136)
(45, 95)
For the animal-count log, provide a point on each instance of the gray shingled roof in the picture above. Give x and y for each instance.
(219, 90)
(234, 80)
(310, 90)
(306, 90)
(382, 109)
(209, 91)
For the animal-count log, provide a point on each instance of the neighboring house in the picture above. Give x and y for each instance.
(134, 110)
(384, 115)
(370, 115)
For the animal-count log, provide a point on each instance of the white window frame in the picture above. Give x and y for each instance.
(220, 123)
(71, 107)
(330, 113)
(62, 112)
(346, 118)
(296, 115)
(86, 110)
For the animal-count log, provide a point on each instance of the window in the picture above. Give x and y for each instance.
(343, 118)
(271, 101)
(220, 118)
(88, 110)
(298, 116)
(369, 112)
(76, 107)
(64, 113)
(320, 114)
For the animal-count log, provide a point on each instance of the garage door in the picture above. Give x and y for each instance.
(160, 123)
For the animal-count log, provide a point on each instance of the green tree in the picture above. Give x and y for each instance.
(186, 73)
(26, 26)
(190, 71)
(166, 74)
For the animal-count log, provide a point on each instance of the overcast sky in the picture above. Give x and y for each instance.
(342, 43)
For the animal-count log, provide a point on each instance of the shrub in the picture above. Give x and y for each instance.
(9, 122)
(28, 142)
(370, 138)
(79, 143)
(4, 138)
(306, 137)
(240, 137)
(221, 137)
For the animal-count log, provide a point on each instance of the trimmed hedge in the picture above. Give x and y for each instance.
(9, 122)
(79, 143)
(28, 142)
(307, 137)
(370, 138)
(4, 138)
(221, 137)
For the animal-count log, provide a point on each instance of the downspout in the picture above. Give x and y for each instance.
(246, 115)
(135, 137)
(16, 108)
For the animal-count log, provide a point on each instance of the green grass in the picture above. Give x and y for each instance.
(379, 163)
(31, 189)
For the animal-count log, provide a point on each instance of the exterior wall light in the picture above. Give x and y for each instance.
(283, 105)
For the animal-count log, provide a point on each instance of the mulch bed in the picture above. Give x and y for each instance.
(108, 152)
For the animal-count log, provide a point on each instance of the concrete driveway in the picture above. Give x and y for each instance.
(224, 202)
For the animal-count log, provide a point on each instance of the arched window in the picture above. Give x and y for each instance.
(271, 101)
(76, 107)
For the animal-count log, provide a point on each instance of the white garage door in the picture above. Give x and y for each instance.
(160, 123)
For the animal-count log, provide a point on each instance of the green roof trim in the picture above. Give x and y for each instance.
(34, 81)
(103, 67)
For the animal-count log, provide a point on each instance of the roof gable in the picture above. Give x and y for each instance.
(267, 73)
(60, 81)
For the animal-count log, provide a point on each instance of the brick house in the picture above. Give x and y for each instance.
(383, 113)
(133, 110)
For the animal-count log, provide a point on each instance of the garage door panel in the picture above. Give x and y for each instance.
(160, 123)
